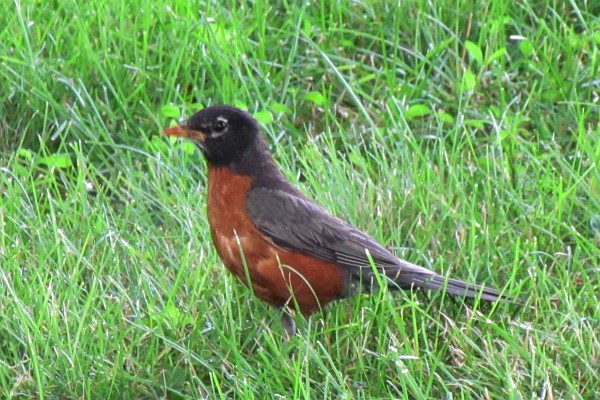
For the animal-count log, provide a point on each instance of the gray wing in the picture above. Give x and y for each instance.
(296, 224)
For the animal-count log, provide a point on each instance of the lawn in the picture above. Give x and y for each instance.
(462, 135)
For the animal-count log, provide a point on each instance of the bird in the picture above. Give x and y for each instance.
(290, 251)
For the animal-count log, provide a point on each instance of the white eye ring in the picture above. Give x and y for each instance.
(219, 125)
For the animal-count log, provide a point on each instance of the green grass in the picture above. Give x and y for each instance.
(459, 146)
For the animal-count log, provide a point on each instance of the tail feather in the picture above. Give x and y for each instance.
(411, 275)
(461, 288)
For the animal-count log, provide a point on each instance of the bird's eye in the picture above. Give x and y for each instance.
(219, 125)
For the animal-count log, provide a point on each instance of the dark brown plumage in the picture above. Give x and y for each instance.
(296, 253)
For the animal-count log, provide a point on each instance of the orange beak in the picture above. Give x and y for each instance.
(183, 131)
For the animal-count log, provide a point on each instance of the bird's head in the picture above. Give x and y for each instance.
(223, 133)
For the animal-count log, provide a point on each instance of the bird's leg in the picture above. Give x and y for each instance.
(288, 323)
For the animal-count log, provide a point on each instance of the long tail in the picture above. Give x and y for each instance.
(411, 275)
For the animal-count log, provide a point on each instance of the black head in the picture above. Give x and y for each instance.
(223, 133)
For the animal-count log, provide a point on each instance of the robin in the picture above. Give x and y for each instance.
(292, 252)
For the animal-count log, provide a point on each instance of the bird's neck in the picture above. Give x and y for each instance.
(257, 163)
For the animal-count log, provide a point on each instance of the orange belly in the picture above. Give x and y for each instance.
(277, 276)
